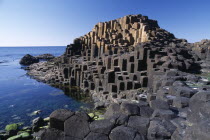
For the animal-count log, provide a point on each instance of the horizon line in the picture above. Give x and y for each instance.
(38, 46)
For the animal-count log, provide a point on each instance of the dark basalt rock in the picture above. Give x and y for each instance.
(28, 60)
(122, 119)
(199, 131)
(163, 114)
(139, 137)
(50, 134)
(146, 111)
(102, 126)
(199, 107)
(160, 130)
(36, 123)
(76, 127)
(130, 109)
(122, 133)
(71, 138)
(159, 104)
(45, 56)
(58, 117)
(83, 116)
(181, 102)
(139, 123)
(96, 136)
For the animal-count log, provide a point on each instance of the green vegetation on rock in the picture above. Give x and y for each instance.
(97, 114)
(10, 127)
(91, 115)
(23, 135)
(17, 137)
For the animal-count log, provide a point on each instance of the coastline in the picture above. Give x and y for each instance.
(149, 86)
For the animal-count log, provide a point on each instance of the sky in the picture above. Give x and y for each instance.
(59, 22)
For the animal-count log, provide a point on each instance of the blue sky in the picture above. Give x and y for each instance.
(58, 22)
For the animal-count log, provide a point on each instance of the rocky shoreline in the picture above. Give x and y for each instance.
(153, 85)
(29, 59)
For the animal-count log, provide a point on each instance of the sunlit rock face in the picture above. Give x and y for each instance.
(123, 32)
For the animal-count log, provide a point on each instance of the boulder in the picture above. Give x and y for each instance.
(130, 109)
(178, 134)
(28, 60)
(76, 126)
(101, 126)
(199, 107)
(85, 116)
(49, 134)
(146, 111)
(159, 104)
(71, 138)
(36, 123)
(159, 130)
(58, 117)
(181, 125)
(199, 131)
(139, 137)
(141, 124)
(122, 133)
(96, 136)
(181, 102)
(163, 114)
(122, 119)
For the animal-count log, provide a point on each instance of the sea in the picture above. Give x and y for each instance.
(21, 96)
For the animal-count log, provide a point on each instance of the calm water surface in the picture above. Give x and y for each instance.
(20, 95)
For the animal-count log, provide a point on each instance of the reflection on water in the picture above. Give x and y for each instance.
(21, 96)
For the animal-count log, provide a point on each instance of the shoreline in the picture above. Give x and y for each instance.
(148, 83)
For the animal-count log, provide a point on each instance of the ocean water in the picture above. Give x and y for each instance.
(21, 95)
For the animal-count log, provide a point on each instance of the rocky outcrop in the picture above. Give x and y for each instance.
(110, 63)
(141, 73)
(123, 32)
(28, 60)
